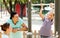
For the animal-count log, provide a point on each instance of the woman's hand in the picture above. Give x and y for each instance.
(14, 30)
(24, 27)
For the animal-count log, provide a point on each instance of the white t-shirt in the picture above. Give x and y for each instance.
(5, 36)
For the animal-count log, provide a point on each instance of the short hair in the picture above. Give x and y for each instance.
(12, 14)
(5, 26)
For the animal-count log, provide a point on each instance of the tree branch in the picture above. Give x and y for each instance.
(6, 6)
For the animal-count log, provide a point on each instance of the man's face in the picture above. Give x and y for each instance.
(50, 16)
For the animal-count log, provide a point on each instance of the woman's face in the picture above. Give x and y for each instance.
(15, 18)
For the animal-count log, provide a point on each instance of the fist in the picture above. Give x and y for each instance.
(24, 28)
(41, 5)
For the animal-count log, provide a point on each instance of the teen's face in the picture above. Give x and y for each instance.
(9, 29)
(15, 18)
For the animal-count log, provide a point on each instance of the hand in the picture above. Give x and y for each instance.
(14, 30)
(41, 6)
(24, 28)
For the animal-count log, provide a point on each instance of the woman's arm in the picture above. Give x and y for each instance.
(24, 27)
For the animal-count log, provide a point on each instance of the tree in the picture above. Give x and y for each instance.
(47, 1)
(12, 4)
(22, 2)
(43, 1)
(9, 8)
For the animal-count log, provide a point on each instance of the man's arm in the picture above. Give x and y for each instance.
(40, 14)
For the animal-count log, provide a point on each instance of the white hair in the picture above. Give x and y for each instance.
(51, 11)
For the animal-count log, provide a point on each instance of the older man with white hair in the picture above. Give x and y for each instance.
(45, 31)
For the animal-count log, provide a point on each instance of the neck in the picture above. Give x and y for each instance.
(14, 21)
(51, 19)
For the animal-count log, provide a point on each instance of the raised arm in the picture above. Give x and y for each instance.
(40, 14)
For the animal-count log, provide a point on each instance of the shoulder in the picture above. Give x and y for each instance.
(20, 19)
(9, 20)
(4, 36)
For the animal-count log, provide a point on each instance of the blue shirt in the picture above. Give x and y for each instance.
(18, 24)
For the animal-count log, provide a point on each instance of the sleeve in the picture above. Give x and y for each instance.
(8, 21)
(43, 19)
(21, 21)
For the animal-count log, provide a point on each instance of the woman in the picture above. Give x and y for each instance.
(45, 31)
(17, 25)
(6, 30)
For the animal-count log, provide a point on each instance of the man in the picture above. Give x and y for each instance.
(45, 31)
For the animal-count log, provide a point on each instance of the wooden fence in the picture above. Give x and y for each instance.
(34, 34)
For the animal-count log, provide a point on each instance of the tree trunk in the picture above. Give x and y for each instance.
(57, 16)
(10, 3)
(29, 19)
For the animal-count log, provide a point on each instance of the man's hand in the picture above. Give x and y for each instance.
(41, 6)
(40, 14)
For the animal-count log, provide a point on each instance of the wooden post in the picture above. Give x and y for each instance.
(0, 35)
(24, 34)
(39, 34)
(35, 34)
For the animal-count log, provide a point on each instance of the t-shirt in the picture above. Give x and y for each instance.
(17, 34)
(18, 25)
(5, 36)
(46, 28)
